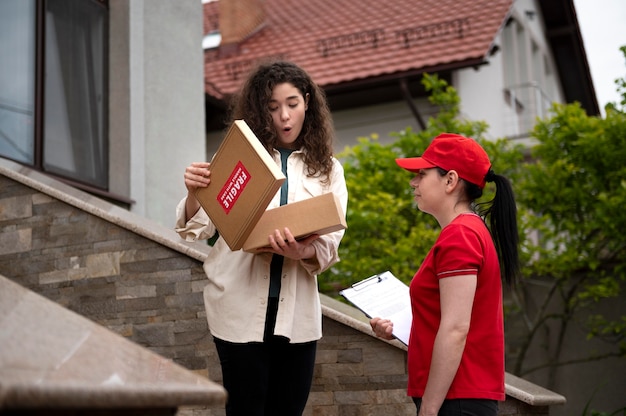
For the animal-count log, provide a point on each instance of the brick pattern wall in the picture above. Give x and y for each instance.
(152, 294)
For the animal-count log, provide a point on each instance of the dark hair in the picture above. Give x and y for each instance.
(501, 215)
(251, 104)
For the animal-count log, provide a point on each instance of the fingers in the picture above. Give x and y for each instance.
(280, 243)
(197, 175)
(286, 245)
(373, 323)
(383, 328)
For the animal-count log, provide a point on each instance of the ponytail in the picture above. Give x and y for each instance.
(501, 214)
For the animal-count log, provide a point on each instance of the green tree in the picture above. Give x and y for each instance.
(573, 192)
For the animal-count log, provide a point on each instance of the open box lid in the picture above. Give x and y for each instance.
(244, 179)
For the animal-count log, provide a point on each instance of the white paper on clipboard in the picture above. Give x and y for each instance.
(383, 295)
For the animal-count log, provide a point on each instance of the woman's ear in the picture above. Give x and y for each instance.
(306, 101)
(452, 178)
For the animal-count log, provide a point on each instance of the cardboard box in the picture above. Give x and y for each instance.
(318, 215)
(244, 179)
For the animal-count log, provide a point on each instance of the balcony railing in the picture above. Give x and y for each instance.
(528, 102)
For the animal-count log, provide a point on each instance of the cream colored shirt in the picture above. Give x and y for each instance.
(236, 295)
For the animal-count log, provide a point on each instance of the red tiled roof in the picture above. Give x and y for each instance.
(342, 41)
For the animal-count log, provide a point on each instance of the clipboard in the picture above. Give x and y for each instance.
(383, 295)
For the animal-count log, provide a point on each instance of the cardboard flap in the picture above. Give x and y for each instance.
(318, 215)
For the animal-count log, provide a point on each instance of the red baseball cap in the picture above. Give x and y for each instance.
(452, 152)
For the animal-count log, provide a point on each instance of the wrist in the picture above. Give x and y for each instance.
(428, 409)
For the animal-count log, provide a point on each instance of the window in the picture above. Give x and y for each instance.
(53, 77)
(17, 80)
(525, 77)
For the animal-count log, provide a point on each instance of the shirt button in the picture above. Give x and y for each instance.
(262, 301)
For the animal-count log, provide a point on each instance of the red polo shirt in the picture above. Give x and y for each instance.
(464, 247)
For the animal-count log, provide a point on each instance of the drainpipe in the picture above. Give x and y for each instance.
(409, 100)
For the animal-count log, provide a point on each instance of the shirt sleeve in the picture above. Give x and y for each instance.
(198, 227)
(458, 251)
(327, 246)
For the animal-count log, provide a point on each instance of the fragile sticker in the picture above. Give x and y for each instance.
(234, 186)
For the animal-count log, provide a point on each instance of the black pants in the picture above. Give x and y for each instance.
(272, 378)
(464, 407)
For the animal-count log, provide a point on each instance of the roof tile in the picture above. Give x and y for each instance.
(342, 41)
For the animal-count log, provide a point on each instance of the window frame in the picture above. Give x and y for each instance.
(39, 139)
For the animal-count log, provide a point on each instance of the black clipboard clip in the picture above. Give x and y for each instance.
(377, 278)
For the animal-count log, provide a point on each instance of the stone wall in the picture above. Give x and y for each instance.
(144, 283)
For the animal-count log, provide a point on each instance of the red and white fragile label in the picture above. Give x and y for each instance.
(233, 187)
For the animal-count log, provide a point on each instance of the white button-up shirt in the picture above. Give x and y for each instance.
(236, 295)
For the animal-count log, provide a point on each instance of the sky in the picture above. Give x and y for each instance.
(603, 27)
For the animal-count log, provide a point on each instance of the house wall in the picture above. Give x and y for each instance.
(482, 89)
(156, 114)
(379, 120)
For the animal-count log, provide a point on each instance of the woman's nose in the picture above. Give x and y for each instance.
(284, 114)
